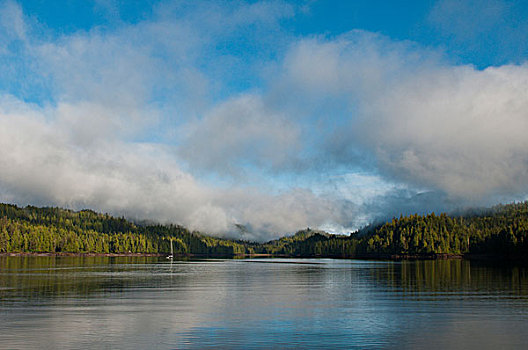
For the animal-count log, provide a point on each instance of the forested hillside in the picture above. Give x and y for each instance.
(502, 230)
(32, 229)
(311, 243)
(499, 231)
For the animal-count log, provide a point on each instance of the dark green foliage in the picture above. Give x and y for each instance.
(310, 243)
(32, 229)
(502, 230)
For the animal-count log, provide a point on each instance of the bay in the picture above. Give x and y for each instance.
(149, 302)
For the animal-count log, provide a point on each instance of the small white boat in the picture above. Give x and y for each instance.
(171, 254)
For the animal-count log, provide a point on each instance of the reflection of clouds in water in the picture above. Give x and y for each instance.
(465, 332)
(311, 303)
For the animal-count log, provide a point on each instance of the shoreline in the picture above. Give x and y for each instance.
(14, 254)
(393, 257)
(386, 257)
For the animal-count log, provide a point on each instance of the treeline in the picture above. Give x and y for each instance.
(56, 230)
(500, 231)
(311, 243)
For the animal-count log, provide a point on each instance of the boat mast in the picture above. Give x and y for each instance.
(171, 253)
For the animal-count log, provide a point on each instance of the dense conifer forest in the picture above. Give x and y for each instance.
(499, 231)
(56, 230)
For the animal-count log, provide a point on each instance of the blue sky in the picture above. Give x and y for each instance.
(272, 114)
(482, 33)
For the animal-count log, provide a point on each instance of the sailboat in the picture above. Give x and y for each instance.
(171, 254)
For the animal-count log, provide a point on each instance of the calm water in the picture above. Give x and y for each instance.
(114, 303)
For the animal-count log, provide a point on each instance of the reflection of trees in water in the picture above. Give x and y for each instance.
(458, 275)
(33, 277)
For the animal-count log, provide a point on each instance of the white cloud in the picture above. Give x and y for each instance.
(111, 87)
(135, 116)
(42, 163)
(12, 21)
(428, 123)
(241, 130)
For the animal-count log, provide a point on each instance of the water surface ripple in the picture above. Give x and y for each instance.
(145, 302)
